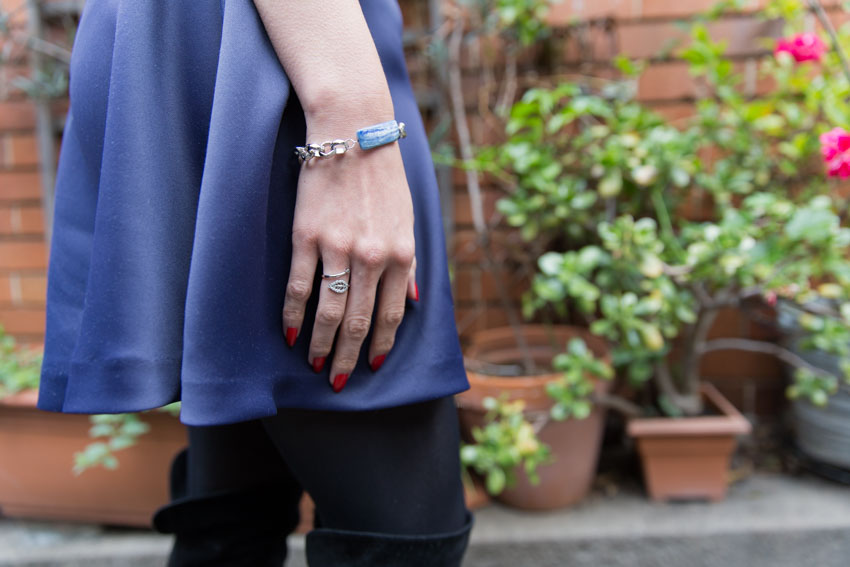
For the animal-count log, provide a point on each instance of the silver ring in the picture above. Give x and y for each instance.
(339, 286)
(328, 276)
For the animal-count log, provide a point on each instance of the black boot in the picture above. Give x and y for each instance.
(230, 528)
(341, 548)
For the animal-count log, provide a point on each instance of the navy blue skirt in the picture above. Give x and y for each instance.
(171, 238)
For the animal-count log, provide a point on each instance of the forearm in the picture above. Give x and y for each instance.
(331, 60)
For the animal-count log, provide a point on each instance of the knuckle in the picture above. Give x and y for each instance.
(403, 255)
(329, 315)
(336, 243)
(371, 255)
(392, 317)
(384, 344)
(357, 327)
(299, 290)
(321, 346)
(303, 237)
(344, 363)
(291, 313)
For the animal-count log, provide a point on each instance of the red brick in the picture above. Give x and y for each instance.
(18, 150)
(17, 115)
(671, 81)
(16, 219)
(5, 290)
(675, 112)
(11, 73)
(33, 289)
(679, 8)
(463, 207)
(18, 11)
(18, 186)
(666, 81)
(568, 11)
(764, 397)
(23, 290)
(471, 317)
(475, 284)
(649, 39)
(22, 321)
(23, 256)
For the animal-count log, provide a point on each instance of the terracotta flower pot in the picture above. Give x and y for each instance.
(575, 443)
(688, 458)
(37, 454)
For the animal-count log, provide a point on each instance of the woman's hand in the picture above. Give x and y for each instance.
(352, 211)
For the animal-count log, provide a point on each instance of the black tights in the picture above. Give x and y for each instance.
(392, 471)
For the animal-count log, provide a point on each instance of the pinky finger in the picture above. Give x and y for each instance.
(412, 287)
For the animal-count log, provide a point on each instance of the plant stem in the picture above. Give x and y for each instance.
(664, 220)
(751, 345)
(462, 127)
(474, 189)
(623, 405)
(690, 405)
(817, 7)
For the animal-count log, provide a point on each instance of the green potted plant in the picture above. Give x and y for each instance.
(42, 454)
(519, 421)
(608, 180)
(544, 405)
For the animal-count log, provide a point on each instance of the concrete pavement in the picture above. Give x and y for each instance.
(767, 520)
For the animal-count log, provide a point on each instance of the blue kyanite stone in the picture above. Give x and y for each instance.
(378, 135)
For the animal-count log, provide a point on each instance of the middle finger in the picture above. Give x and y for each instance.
(365, 273)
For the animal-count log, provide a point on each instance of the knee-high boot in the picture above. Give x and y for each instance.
(340, 548)
(247, 527)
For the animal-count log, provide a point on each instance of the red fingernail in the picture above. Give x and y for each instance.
(416, 288)
(318, 364)
(339, 382)
(291, 333)
(378, 361)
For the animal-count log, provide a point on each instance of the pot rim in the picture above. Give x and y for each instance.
(27, 398)
(598, 345)
(732, 422)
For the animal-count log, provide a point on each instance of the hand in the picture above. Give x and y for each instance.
(352, 211)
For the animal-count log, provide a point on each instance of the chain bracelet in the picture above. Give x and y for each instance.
(367, 138)
(325, 149)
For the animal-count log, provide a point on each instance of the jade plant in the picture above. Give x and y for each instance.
(653, 226)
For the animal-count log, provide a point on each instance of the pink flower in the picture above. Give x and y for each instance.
(770, 298)
(802, 47)
(835, 148)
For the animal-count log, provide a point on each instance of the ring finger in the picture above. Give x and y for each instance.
(331, 308)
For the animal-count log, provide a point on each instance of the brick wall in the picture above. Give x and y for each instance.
(23, 255)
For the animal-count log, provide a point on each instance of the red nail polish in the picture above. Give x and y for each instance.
(378, 361)
(339, 382)
(318, 363)
(291, 333)
(416, 288)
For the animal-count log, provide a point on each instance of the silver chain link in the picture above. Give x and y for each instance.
(325, 149)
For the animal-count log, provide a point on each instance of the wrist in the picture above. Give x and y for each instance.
(333, 117)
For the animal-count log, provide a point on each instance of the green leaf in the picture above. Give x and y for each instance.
(550, 263)
(496, 481)
(611, 184)
(813, 225)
